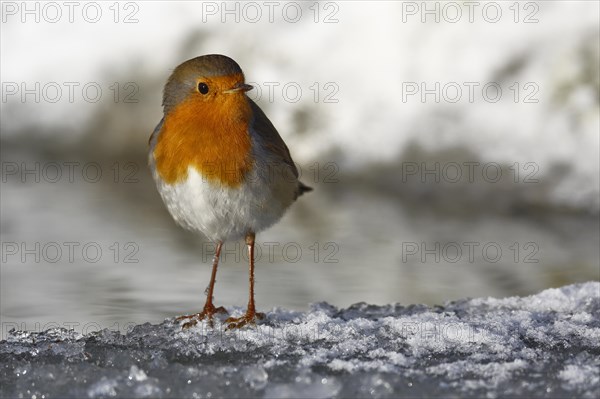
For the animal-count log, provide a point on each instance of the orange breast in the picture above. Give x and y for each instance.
(211, 136)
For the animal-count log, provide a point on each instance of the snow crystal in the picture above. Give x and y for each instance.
(538, 346)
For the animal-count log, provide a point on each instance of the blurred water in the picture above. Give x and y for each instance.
(344, 243)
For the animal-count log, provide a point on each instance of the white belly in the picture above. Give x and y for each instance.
(223, 213)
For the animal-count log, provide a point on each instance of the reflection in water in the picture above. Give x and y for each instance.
(108, 253)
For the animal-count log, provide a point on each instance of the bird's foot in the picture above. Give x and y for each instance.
(207, 313)
(250, 317)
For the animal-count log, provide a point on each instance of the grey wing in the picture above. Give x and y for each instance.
(270, 137)
(273, 142)
(154, 135)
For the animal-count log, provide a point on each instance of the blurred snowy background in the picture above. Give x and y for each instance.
(366, 94)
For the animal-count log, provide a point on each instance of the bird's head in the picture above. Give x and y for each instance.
(207, 83)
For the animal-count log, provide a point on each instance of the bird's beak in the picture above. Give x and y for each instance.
(243, 87)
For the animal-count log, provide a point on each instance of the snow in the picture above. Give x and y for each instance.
(544, 345)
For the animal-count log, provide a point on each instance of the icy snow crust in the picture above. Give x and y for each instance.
(545, 345)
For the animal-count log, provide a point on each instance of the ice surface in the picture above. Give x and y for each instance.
(545, 345)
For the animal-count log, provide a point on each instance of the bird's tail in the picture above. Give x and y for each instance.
(303, 188)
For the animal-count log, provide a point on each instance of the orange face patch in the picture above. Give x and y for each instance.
(209, 133)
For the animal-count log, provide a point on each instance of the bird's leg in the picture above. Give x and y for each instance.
(251, 315)
(209, 309)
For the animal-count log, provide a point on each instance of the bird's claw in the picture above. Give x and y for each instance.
(207, 313)
(249, 318)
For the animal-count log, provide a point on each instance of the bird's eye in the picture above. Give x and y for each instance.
(203, 88)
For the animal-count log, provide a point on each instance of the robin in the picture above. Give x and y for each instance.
(220, 165)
